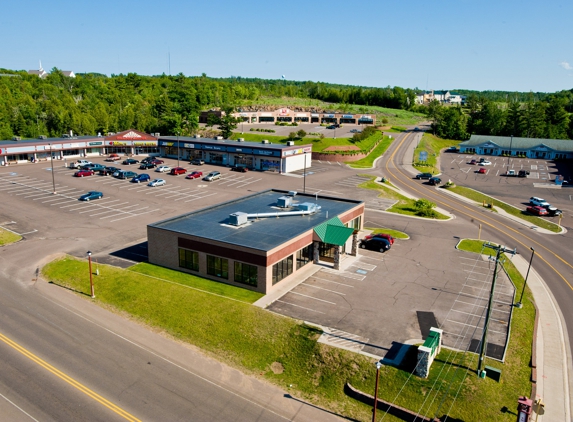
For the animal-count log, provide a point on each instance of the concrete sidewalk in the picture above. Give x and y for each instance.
(551, 358)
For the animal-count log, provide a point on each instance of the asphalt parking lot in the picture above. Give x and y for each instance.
(514, 190)
(380, 301)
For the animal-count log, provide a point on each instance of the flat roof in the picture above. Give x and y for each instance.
(263, 234)
(231, 142)
(46, 141)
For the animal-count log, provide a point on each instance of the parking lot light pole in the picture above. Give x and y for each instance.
(378, 366)
(520, 303)
(509, 156)
(52, 161)
(91, 275)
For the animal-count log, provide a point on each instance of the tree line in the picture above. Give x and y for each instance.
(94, 103)
(549, 118)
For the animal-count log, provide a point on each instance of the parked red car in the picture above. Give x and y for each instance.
(194, 175)
(383, 236)
(536, 210)
(83, 173)
(177, 171)
(113, 157)
(482, 170)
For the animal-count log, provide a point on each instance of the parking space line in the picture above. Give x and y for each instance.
(133, 215)
(330, 281)
(310, 297)
(322, 288)
(201, 197)
(344, 274)
(298, 306)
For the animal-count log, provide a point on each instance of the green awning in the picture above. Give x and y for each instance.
(333, 231)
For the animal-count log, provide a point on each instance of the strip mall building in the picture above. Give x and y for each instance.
(287, 115)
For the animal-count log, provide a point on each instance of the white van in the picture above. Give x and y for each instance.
(214, 175)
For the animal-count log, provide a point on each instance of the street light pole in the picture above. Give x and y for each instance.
(52, 161)
(378, 366)
(91, 275)
(177, 149)
(509, 156)
(520, 304)
(304, 176)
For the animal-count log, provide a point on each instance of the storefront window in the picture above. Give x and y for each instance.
(219, 267)
(246, 274)
(189, 259)
(282, 269)
(303, 256)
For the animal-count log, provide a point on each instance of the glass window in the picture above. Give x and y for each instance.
(303, 256)
(189, 259)
(246, 274)
(219, 267)
(282, 269)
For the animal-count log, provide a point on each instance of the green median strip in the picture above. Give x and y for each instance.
(482, 198)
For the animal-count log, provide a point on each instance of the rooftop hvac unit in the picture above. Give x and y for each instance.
(113, 133)
(265, 141)
(66, 135)
(157, 134)
(218, 138)
(17, 138)
(284, 201)
(307, 206)
(238, 218)
(197, 136)
(292, 193)
(42, 137)
(241, 140)
(290, 143)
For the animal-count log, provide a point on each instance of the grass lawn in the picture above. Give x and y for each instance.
(404, 205)
(368, 161)
(481, 197)
(432, 145)
(285, 352)
(394, 233)
(7, 237)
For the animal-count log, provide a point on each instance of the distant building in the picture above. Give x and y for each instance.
(287, 115)
(548, 149)
(443, 97)
(43, 74)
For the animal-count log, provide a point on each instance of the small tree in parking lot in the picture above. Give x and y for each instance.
(425, 208)
(292, 136)
(301, 133)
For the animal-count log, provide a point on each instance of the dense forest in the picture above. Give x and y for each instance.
(92, 103)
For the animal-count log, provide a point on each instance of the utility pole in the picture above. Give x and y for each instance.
(500, 249)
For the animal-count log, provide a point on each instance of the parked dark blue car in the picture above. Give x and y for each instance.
(91, 195)
(144, 177)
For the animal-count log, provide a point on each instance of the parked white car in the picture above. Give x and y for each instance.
(156, 182)
(484, 163)
(163, 169)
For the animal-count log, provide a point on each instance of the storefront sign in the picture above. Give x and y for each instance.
(301, 115)
(188, 145)
(266, 152)
(314, 115)
(348, 116)
(144, 144)
(266, 114)
(366, 117)
(283, 112)
(118, 143)
(241, 150)
(93, 144)
(329, 116)
(130, 135)
(166, 144)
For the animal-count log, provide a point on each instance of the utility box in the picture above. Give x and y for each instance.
(238, 218)
(524, 407)
(284, 201)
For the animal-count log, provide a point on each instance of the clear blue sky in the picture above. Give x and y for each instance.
(479, 44)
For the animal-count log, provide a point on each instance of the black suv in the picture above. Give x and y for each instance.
(108, 171)
(147, 165)
(424, 176)
(435, 181)
(375, 244)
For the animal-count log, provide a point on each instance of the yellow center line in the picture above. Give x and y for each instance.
(68, 379)
(494, 225)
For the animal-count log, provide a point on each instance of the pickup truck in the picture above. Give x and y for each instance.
(79, 163)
